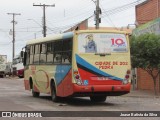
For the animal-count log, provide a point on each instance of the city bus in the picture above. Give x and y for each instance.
(17, 66)
(91, 63)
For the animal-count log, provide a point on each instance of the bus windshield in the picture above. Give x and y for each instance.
(102, 43)
(17, 60)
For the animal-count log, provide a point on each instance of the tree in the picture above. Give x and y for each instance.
(145, 54)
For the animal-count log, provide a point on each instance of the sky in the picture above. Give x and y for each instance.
(65, 14)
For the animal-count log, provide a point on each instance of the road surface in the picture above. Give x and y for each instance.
(13, 97)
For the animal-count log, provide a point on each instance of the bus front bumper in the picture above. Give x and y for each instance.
(108, 90)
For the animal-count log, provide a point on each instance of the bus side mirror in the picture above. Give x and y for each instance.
(22, 54)
(24, 58)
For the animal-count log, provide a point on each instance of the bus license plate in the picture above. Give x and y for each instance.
(103, 78)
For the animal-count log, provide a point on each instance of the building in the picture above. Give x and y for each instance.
(147, 11)
(148, 19)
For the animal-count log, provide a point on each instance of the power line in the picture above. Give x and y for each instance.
(6, 43)
(109, 19)
(61, 27)
(44, 16)
(121, 8)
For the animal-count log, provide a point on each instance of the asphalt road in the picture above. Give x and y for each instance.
(13, 97)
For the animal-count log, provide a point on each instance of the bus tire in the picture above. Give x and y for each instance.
(54, 96)
(98, 98)
(35, 94)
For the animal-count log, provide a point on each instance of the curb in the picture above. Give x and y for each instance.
(142, 94)
(13, 78)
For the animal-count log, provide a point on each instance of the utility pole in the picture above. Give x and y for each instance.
(44, 17)
(14, 22)
(97, 13)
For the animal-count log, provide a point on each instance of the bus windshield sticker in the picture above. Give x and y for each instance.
(102, 43)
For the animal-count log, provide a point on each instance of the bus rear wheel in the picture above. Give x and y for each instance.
(54, 96)
(98, 98)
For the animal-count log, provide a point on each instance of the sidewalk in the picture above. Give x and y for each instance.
(13, 77)
(142, 94)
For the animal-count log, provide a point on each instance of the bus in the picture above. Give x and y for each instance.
(91, 63)
(17, 66)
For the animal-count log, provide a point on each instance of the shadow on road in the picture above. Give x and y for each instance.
(83, 101)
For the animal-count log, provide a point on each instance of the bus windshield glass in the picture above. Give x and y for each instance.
(17, 60)
(102, 43)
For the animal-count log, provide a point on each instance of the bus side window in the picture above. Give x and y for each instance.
(36, 54)
(58, 51)
(49, 53)
(57, 58)
(28, 48)
(31, 54)
(42, 53)
(67, 51)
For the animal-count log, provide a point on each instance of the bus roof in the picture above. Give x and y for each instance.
(51, 38)
(69, 35)
(102, 31)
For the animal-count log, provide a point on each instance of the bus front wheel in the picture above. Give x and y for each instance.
(34, 93)
(98, 98)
